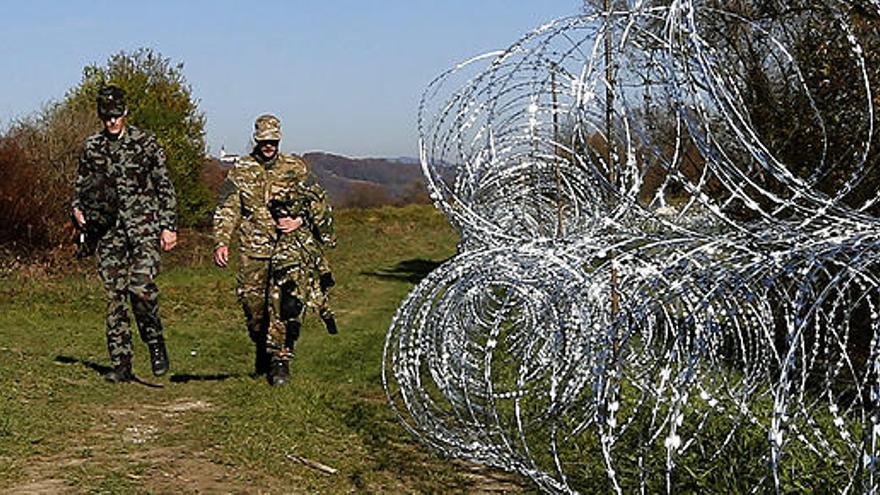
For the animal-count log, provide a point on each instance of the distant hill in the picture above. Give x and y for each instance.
(407, 160)
(352, 182)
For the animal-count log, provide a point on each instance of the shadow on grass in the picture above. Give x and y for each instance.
(412, 271)
(97, 368)
(102, 370)
(186, 377)
(175, 378)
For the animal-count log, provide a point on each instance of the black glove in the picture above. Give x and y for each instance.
(88, 235)
(326, 281)
(280, 209)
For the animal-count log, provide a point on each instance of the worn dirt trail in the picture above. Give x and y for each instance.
(147, 434)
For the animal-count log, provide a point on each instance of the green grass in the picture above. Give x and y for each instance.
(60, 423)
(212, 428)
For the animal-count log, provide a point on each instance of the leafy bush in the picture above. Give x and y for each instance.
(39, 154)
(160, 101)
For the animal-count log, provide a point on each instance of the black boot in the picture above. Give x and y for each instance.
(158, 357)
(279, 372)
(121, 373)
(330, 323)
(262, 361)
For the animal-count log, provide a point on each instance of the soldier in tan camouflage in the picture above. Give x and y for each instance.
(126, 202)
(284, 224)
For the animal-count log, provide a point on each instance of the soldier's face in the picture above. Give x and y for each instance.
(268, 149)
(113, 125)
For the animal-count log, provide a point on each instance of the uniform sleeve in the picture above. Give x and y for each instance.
(228, 212)
(81, 181)
(321, 216)
(164, 190)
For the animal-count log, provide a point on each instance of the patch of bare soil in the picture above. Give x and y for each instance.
(40, 486)
(486, 480)
(152, 467)
(133, 443)
(184, 473)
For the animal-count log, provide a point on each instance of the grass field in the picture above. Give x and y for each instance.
(211, 427)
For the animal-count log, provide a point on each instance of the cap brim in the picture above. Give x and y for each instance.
(111, 112)
(267, 136)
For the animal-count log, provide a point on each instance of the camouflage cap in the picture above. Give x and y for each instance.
(111, 102)
(267, 128)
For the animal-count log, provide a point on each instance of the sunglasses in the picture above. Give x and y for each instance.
(110, 117)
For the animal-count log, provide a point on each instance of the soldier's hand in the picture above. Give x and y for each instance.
(79, 217)
(221, 256)
(288, 225)
(167, 240)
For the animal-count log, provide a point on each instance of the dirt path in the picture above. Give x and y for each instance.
(491, 481)
(139, 441)
(135, 441)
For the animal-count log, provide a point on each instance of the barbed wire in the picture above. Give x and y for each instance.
(645, 276)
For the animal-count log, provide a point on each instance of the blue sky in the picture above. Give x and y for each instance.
(345, 76)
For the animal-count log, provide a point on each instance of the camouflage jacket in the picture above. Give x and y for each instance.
(244, 204)
(126, 181)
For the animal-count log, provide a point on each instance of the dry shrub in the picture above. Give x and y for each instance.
(212, 175)
(38, 160)
(415, 192)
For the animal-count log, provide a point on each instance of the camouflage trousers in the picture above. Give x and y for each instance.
(274, 303)
(128, 270)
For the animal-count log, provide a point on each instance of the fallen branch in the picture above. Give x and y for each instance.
(312, 464)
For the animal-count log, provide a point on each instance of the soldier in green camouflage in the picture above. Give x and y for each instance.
(125, 198)
(284, 224)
